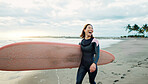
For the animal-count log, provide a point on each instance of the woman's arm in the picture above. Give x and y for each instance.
(97, 53)
(96, 57)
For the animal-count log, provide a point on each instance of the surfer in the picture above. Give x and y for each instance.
(90, 55)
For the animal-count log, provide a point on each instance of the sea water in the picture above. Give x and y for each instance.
(102, 42)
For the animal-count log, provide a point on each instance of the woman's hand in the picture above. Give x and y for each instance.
(92, 67)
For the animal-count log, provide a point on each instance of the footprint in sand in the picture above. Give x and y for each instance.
(140, 62)
(116, 81)
(122, 77)
(124, 74)
(133, 66)
(116, 73)
(99, 82)
(145, 59)
(128, 70)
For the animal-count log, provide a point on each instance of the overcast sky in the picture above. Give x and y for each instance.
(68, 17)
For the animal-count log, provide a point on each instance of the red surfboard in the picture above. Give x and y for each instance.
(44, 55)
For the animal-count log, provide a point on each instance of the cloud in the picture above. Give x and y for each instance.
(71, 15)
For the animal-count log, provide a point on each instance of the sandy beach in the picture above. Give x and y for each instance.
(130, 67)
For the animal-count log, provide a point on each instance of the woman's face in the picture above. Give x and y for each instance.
(88, 31)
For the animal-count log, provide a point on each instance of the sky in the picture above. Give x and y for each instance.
(68, 17)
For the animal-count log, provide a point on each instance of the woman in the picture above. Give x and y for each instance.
(90, 55)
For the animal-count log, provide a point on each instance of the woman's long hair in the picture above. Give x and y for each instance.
(83, 33)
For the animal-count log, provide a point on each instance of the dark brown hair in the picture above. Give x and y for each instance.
(83, 33)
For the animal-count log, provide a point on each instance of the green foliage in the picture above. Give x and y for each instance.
(145, 27)
(139, 30)
(129, 28)
(135, 27)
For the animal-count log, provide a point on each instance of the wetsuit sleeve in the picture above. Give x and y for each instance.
(97, 53)
(79, 43)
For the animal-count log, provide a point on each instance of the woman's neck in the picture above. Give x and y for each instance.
(87, 37)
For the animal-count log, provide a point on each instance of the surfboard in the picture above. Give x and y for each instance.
(44, 55)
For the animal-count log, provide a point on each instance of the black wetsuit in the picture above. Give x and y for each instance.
(90, 54)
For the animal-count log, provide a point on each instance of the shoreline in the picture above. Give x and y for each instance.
(130, 67)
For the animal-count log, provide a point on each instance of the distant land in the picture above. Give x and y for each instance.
(75, 37)
(72, 37)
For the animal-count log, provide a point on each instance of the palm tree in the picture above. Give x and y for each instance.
(135, 27)
(145, 28)
(141, 31)
(129, 28)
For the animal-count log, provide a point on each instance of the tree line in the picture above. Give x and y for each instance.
(140, 30)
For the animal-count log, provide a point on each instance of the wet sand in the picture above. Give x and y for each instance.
(130, 67)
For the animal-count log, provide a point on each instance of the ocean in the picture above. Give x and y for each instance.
(102, 42)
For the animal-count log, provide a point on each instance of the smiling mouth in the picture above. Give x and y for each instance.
(90, 32)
